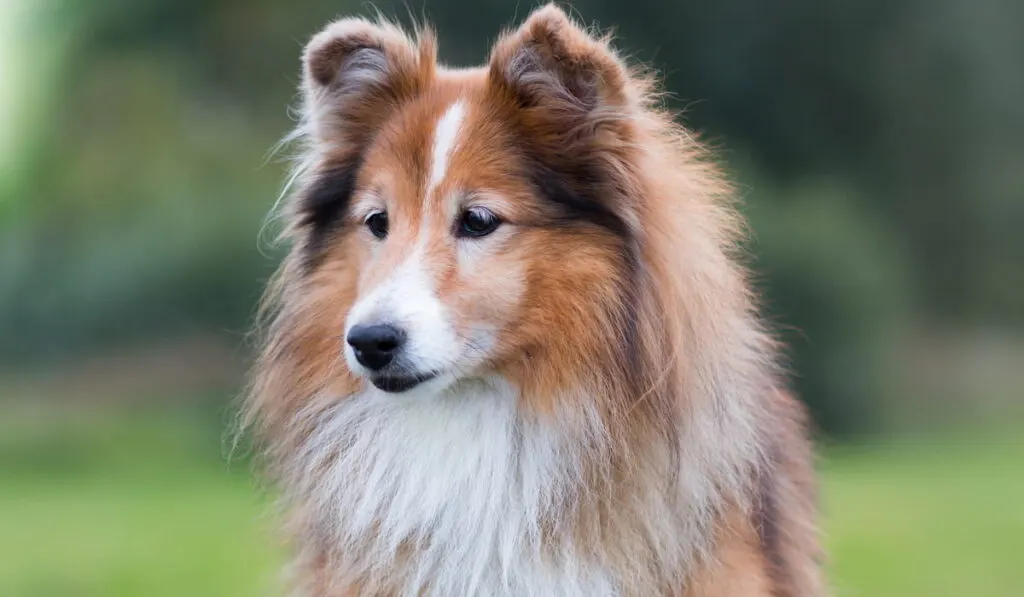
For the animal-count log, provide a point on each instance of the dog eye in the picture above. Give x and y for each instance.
(378, 223)
(477, 221)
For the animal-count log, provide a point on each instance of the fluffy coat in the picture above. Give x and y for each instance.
(609, 420)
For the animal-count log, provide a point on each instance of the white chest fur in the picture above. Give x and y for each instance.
(444, 495)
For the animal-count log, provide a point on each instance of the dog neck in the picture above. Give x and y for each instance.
(464, 493)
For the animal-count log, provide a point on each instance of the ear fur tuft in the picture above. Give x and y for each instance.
(356, 71)
(550, 58)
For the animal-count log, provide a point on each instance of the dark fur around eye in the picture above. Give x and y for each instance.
(573, 191)
(322, 207)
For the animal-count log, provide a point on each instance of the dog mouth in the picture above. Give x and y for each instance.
(396, 384)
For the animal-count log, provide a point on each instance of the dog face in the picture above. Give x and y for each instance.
(457, 224)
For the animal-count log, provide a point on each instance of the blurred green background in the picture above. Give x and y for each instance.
(879, 146)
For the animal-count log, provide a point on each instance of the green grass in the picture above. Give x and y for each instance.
(927, 517)
(137, 506)
(144, 504)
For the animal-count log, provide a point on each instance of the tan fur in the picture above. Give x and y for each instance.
(634, 334)
(739, 566)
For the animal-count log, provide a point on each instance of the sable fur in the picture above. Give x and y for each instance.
(622, 431)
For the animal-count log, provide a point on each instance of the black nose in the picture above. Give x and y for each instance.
(375, 345)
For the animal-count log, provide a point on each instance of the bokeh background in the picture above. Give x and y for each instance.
(879, 147)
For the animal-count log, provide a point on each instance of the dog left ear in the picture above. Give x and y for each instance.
(550, 63)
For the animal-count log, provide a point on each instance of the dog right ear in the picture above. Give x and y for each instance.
(355, 73)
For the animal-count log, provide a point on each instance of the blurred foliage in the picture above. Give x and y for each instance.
(878, 143)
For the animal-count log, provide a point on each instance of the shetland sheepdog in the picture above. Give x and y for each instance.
(512, 351)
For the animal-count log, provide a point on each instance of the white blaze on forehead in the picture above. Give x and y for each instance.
(445, 137)
(408, 297)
